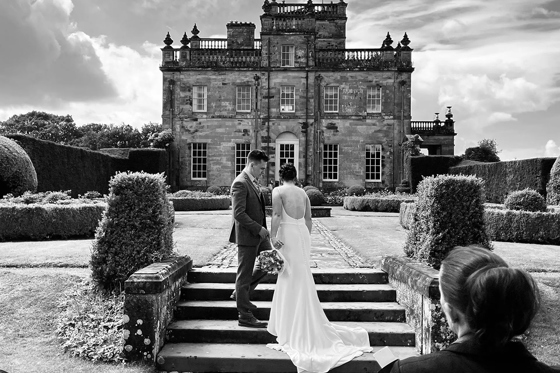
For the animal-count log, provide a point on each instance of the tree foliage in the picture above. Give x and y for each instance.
(94, 136)
(486, 151)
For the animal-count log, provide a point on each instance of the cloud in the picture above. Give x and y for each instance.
(551, 149)
(45, 61)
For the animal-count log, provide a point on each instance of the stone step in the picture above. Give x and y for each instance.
(228, 331)
(335, 311)
(213, 357)
(264, 292)
(321, 276)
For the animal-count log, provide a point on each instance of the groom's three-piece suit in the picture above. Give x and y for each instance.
(249, 218)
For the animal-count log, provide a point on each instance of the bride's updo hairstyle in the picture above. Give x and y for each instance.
(499, 302)
(288, 172)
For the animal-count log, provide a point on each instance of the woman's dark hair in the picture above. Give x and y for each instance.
(499, 302)
(287, 172)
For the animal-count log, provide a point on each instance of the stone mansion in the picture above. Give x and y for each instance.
(339, 115)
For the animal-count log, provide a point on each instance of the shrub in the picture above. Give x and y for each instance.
(92, 194)
(267, 195)
(356, 190)
(308, 187)
(191, 194)
(136, 229)
(523, 226)
(553, 185)
(376, 203)
(449, 213)
(54, 197)
(335, 197)
(214, 189)
(17, 174)
(525, 200)
(315, 197)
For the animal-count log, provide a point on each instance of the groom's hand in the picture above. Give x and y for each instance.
(263, 233)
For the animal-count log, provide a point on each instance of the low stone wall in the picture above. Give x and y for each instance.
(150, 298)
(417, 288)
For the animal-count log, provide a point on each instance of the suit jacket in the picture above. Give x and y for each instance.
(248, 215)
(470, 357)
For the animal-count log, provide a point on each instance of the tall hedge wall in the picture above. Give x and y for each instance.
(501, 178)
(430, 165)
(62, 167)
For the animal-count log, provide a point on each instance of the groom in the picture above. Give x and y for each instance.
(250, 233)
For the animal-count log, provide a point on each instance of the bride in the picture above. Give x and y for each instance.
(297, 319)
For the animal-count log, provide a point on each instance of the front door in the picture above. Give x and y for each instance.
(287, 151)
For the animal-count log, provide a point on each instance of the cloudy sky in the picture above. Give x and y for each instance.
(496, 62)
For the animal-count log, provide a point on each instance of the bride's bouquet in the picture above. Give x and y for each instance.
(272, 261)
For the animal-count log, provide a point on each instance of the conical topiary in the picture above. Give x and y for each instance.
(553, 185)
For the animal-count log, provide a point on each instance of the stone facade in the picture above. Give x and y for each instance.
(285, 77)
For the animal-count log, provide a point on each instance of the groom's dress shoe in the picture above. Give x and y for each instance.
(252, 323)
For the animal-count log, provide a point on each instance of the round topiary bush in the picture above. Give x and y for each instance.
(17, 174)
(308, 187)
(553, 185)
(54, 197)
(525, 200)
(214, 189)
(135, 231)
(356, 190)
(315, 197)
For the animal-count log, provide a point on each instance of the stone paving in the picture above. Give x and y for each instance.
(327, 251)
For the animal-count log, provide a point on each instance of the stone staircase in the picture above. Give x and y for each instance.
(205, 336)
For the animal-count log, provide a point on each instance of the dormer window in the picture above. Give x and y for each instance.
(287, 57)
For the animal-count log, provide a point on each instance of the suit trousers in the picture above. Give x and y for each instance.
(248, 276)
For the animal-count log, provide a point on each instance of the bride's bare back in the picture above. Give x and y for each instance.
(295, 203)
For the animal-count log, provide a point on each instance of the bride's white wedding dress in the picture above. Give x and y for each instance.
(296, 317)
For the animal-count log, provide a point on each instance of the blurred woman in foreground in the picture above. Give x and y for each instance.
(486, 304)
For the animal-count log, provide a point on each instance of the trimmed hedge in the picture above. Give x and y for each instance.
(356, 190)
(449, 213)
(49, 221)
(525, 200)
(553, 185)
(406, 214)
(17, 173)
(200, 204)
(523, 226)
(63, 167)
(430, 165)
(136, 229)
(501, 178)
(372, 203)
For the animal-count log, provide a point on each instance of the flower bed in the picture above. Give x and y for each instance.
(377, 202)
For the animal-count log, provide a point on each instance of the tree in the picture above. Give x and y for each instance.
(44, 126)
(486, 151)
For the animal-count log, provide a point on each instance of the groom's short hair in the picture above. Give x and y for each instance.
(257, 155)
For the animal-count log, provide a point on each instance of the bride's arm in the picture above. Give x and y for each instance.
(308, 213)
(276, 213)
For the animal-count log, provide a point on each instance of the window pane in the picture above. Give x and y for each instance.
(243, 98)
(199, 161)
(199, 98)
(330, 162)
(331, 99)
(287, 56)
(287, 99)
(374, 99)
(241, 153)
(373, 162)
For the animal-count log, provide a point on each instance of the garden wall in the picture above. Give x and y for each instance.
(430, 165)
(62, 167)
(501, 178)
